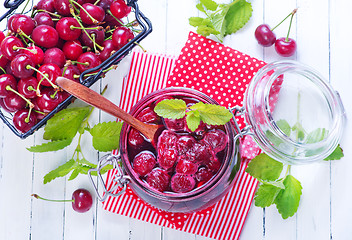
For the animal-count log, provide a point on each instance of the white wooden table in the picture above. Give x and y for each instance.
(322, 29)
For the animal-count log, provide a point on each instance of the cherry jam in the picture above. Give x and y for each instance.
(183, 160)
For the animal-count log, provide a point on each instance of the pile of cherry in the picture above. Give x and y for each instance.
(61, 38)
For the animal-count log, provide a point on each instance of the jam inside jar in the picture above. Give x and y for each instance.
(185, 171)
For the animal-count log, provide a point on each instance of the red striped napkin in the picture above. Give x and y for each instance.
(222, 73)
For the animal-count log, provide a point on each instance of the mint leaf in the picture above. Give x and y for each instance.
(65, 124)
(192, 120)
(196, 21)
(278, 184)
(337, 154)
(284, 127)
(50, 146)
(61, 171)
(219, 24)
(265, 195)
(207, 30)
(212, 114)
(264, 168)
(200, 7)
(287, 200)
(75, 173)
(171, 108)
(237, 16)
(106, 136)
(209, 4)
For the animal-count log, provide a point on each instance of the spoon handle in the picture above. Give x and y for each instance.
(94, 99)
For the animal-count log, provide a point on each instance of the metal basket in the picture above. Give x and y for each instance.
(144, 27)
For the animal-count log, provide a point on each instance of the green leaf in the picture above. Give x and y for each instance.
(200, 7)
(299, 130)
(106, 136)
(219, 24)
(284, 127)
(287, 201)
(75, 173)
(192, 120)
(86, 162)
(337, 154)
(264, 168)
(65, 124)
(61, 171)
(209, 4)
(196, 21)
(265, 195)
(212, 114)
(317, 135)
(237, 16)
(206, 30)
(171, 108)
(50, 146)
(278, 184)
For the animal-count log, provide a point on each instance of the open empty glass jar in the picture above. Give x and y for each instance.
(295, 115)
(290, 111)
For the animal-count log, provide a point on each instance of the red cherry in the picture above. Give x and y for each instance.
(89, 59)
(22, 122)
(45, 36)
(175, 124)
(135, 138)
(43, 18)
(3, 61)
(51, 70)
(264, 35)
(204, 175)
(68, 28)
(96, 12)
(19, 66)
(62, 7)
(11, 46)
(48, 101)
(158, 179)
(147, 115)
(217, 139)
(36, 54)
(47, 5)
(2, 36)
(285, 48)
(108, 50)
(14, 102)
(185, 144)
(27, 87)
(167, 139)
(71, 72)
(122, 36)
(98, 35)
(7, 80)
(24, 23)
(105, 4)
(167, 158)
(72, 49)
(10, 21)
(119, 9)
(144, 163)
(182, 183)
(56, 56)
(82, 200)
(185, 166)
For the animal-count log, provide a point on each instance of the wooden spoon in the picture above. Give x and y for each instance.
(96, 100)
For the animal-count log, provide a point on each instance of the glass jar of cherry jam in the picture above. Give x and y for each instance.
(186, 171)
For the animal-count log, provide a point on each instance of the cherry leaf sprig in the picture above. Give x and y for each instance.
(221, 19)
(208, 113)
(283, 189)
(63, 127)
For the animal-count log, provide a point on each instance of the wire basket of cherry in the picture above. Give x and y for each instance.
(77, 39)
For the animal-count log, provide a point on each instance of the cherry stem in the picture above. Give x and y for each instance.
(291, 14)
(24, 8)
(39, 112)
(9, 88)
(54, 94)
(28, 116)
(2, 68)
(79, 22)
(289, 28)
(30, 50)
(96, 2)
(50, 200)
(94, 44)
(104, 71)
(24, 40)
(41, 80)
(98, 27)
(25, 35)
(140, 46)
(75, 62)
(90, 16)
(50, 13)
(108, 11)
(30, 88)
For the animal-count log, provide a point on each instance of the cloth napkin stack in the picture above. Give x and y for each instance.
(223, 74)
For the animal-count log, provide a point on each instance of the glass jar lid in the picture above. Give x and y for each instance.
(295, 115)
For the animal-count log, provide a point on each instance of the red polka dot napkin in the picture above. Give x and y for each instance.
(223, 74)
